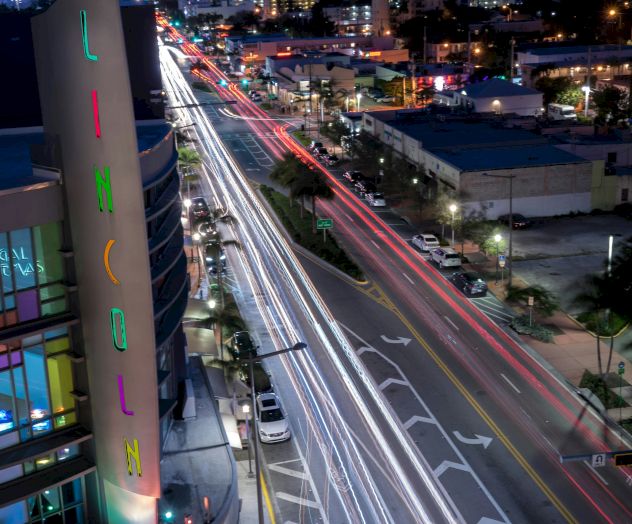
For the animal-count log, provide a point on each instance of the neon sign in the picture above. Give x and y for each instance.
(104, 184)
(133, 453)
(121, 389)
(22, 264)
(95, 113)
(84, 37)
(120, 342)
(106, 262)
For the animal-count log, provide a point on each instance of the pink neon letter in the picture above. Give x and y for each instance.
(128, 412)
(95, 112)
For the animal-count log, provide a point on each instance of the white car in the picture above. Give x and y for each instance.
(425, 242)
(273, 425)
(375, 199)
(445, 257)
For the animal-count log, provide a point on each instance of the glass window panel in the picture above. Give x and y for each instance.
(55, 333)
(67, 419)
(31, 341)
(66, 453)
(50, 501)
(54, 308)
(20, 396)
(45, 461)
(37, 387)
(11, 318)
(57, 345)
(5, 264)
(9, 439)
(47, 240)
(27, 305)
(10, 473)
(52, 291)
(29, 467)
(7, 409)
(14, 514)
(74, 516)
(22, 259)
(72, 493)
(61, 383)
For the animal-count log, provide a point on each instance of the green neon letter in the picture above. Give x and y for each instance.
(104, 183)
(84, 37)
(121, 344)
(132, 452)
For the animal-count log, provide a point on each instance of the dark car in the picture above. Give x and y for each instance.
(243, 344)
(199, 207)
(365, 186)
(320, 152)
(315, 145)
(352, 176)
(331, 160)
(211, 255)
(470, 283)
(519, 221)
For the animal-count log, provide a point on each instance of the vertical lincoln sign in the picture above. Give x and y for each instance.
(87, 109)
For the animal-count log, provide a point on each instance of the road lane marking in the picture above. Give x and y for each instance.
(297, 500)
(478, 440)
(416, 418)
(363, 349)
(448, 464)
(595, 472)
(375, 244)
(452, 323)
(266, 496)
(390, 381)
(510, 383)
(408, 278)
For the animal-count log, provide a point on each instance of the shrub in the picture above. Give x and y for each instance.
(202, 86)
(599, 387)
(539, 332)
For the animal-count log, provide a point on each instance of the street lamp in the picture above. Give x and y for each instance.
(509, 259)
(452, 209)
(358, 97)
(586, 90)
(187, 203)
(251, 372)
(497, 239)
(246, 409)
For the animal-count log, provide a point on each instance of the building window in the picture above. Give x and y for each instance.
(612, 157)
(625, 194)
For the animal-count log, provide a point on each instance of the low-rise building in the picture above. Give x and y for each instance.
(498, 97)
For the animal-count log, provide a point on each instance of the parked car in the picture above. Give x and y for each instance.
(445, 257)
(211, 255)
(320, 152)
(425, 242)
(385, 99)
(470, 283)
(199, 208)
(364, 186)
(243, 343)
(314, 145)
(256, 97)
(375, 199)
(352, 176)
(331, 160)
(519, 221)
(273, 424)
(374, 94)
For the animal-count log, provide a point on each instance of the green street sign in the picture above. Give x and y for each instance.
(621, 367)
(324, 223)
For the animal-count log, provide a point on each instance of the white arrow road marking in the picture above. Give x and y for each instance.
(480, 439)
(447, 464)
(390, 381)
(416, 418)
(288, 471)
(297, 500)
(363, 349)
(398, 340)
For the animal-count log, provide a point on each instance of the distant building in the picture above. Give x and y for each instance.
(351, 19)
(223, 8)
(438, 76)
(418, 7)
(500, 96)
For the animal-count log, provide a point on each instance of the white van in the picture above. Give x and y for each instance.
(561, 112)
(445, 257)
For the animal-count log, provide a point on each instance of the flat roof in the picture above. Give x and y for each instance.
(512, 157)
(578, 49)
(15, 153)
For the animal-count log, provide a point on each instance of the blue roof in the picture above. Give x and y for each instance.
(496, 88)
(15, 154)
(512, 157)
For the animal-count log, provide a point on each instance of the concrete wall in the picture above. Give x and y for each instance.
(600, 151)
(122, 376)
(527, 105)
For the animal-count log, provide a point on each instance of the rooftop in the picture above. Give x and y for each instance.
(579, 49)
(15, 153)
(512, 157)
(496, 88)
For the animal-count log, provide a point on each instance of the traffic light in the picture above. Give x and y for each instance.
(244, 82)
(623, 459)
(223, 83)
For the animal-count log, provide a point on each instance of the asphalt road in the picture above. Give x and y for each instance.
(458, 373)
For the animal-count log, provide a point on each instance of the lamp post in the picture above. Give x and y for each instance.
(497, 239)
(452, 209)
(251, 372)
(246, 410)
(586, 90)
(358, 97)
(509, 258)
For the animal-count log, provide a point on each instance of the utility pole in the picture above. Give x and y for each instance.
(425, 42)
(511, 60)
(469, 48)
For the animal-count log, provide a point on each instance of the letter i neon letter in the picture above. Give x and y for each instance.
(95, 113)
(119, 343)
(84, 37)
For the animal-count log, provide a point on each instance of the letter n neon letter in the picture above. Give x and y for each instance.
(119, 341)
(133, 452)
(103, 183)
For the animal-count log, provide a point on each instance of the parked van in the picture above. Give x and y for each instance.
(445, 257)
(561, 112)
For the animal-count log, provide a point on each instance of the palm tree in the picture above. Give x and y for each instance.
(223, 318)
(214, 247)
(187, 160)
(315, 186)
(291, 173)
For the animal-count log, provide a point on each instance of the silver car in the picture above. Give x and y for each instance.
(425, 242)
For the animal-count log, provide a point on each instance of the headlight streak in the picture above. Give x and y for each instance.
(251, 204)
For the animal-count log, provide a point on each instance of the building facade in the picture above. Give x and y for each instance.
(94, 284)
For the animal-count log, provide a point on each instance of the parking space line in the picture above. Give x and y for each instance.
(297, 500)
(287, 471)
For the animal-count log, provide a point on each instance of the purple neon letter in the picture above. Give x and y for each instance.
(124, 409)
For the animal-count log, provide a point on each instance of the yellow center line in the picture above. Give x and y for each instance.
(266, 496)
